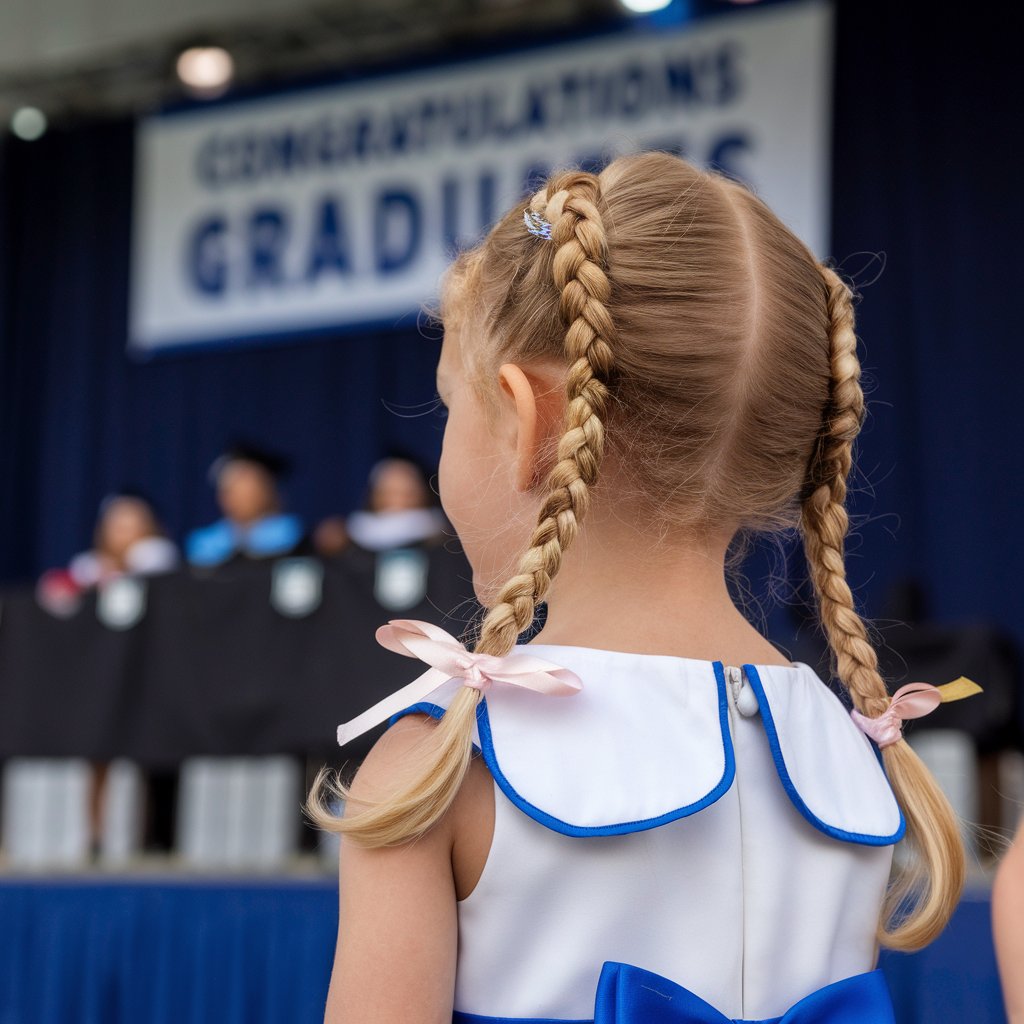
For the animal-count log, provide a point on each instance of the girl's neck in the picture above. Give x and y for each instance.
(621, 591)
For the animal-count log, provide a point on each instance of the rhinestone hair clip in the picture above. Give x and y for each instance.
(536, 224)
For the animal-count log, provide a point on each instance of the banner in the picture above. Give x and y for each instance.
(340, 206)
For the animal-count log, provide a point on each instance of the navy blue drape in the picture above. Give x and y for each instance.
(924, 172)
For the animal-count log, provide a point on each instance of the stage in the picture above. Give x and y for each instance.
(174, 950)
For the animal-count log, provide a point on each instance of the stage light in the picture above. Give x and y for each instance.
(205, 70)
(644, 6)
(28, 123)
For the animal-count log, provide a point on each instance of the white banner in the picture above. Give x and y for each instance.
(341, 206)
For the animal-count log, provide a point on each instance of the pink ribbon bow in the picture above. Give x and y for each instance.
(448, 659)
(915, 700)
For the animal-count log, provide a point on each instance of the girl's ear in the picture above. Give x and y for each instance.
(525, 402)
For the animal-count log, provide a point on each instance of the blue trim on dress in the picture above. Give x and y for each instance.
(625, 827)
(791, 791)
(424, 707)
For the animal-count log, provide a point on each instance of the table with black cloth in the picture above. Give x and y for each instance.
(259, 952)
(212, 666)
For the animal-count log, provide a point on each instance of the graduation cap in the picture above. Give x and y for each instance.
(274, 464)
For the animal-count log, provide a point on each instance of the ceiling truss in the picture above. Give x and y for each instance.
(327, 38)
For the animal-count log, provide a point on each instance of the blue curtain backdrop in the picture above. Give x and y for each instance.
(925, 172)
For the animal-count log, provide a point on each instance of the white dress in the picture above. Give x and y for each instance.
(728, 830)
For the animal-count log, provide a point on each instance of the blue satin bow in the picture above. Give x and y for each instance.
(630, 995)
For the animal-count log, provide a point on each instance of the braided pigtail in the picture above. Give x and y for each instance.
(569, 206)
(928, 887)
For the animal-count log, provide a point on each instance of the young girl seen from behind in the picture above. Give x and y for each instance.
(647, 813)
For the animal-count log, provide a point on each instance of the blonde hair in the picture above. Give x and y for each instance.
(713, 357)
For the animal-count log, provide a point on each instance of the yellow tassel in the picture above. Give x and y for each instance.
(958, 689)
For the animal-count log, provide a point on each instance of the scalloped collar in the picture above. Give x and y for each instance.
(662, 723)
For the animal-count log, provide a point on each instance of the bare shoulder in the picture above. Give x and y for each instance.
(397, 922)
(395, 759)
(467, 829)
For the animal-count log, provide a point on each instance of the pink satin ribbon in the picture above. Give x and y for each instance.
(915, 700)
(448, 659)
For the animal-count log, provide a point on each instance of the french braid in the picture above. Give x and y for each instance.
(579, 270)
(579, 275)
(824, 519)
(934, 874)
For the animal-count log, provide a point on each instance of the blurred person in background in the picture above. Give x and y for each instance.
(400, 508)
(254, 524)
(1008, 925)
(396, 538)
(128, 540)
(330, 538)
